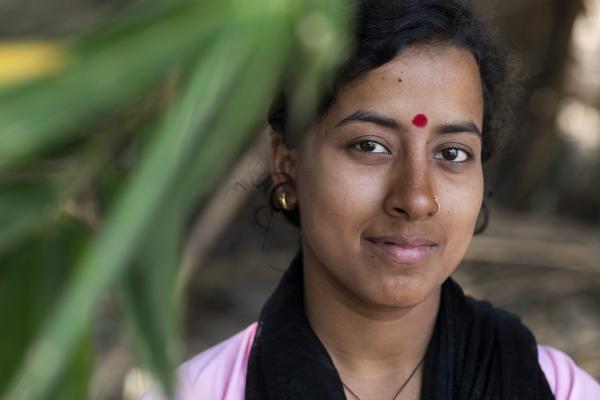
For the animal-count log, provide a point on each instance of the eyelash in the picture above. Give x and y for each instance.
(467, 154)
(356, 146)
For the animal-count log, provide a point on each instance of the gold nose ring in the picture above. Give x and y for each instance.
(437, 209)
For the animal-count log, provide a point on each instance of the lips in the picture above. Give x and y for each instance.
(403, 250)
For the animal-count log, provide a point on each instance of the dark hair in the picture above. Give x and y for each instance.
(383, 28)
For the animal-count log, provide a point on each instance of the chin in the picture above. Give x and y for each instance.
(400, 295)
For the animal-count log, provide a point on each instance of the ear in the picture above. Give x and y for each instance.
(282, 160)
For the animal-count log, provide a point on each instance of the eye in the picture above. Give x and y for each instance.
(370, 146)
(453, 154)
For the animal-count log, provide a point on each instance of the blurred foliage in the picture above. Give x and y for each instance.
(87, 207)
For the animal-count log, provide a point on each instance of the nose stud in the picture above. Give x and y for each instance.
(437, 208)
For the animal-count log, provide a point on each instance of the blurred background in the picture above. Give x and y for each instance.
(114, 296)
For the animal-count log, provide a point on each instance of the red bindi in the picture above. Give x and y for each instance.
(420, 120)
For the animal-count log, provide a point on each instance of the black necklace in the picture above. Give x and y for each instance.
(401, 387)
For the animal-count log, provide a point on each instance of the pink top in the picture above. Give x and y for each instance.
(219, 373)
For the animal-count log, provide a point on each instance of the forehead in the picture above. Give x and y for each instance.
(442, 82)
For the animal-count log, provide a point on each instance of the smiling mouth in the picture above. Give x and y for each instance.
(406, 254)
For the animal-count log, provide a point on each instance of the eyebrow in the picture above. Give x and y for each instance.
(461, 127)
(387, 122)
(370, 117)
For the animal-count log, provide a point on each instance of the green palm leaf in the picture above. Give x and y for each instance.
(230, 56)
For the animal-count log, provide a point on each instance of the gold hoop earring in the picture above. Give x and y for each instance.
(282, 201)
(437, 209)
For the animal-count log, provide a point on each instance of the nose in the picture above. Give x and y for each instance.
(410, 193)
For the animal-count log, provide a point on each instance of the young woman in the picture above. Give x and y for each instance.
(386, 187)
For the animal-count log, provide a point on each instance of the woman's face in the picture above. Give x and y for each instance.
(366, 175)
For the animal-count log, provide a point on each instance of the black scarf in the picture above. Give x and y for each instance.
(476, 352)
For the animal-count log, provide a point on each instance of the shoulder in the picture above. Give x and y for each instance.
(217, 373)
(566, 379)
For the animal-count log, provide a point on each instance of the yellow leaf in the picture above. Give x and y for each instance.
(27, 60)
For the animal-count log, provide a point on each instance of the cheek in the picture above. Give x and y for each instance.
(336, 198)
(460, 218)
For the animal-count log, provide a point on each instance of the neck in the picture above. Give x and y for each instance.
(364, 338)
